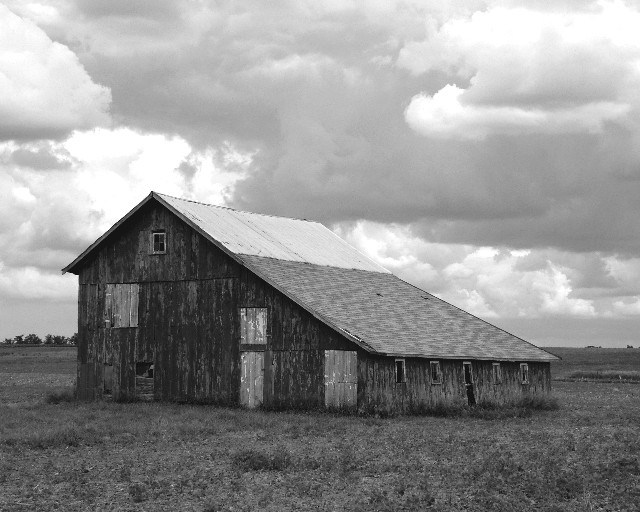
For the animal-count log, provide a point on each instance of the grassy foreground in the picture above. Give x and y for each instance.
(147, 456)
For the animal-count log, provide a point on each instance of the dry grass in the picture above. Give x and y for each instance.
(594, 360)
(149, 456)
(608, 375)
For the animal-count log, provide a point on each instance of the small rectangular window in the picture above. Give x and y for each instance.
(400, 371)
(158, 242)
(524, 373)
(497, 373)
(436, 374)
(468, 373)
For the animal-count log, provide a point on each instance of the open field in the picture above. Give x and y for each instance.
(593, 359)
(148, 456)
(28, 373)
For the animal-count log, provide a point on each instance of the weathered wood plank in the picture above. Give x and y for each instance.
(133, 304)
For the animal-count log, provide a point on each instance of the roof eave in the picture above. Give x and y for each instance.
(471, 358)
(71, 267)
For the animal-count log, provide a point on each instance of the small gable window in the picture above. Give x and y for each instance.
(158, 242)
(436, 374)
(524, 373)
(496, 373)
(400, 373)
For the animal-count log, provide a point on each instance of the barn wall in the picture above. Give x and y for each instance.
(187, 315)
(188, 321)
(296, 342)
(379, 392)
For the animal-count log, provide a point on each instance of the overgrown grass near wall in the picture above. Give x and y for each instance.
(148, 456)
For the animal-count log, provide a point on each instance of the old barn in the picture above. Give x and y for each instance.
(186, 301)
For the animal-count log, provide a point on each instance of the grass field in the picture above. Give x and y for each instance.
(150, 456)
(593, 359)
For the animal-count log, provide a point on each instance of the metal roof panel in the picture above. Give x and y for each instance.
(268, 236)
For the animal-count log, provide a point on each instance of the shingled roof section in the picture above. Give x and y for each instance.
(392, 316)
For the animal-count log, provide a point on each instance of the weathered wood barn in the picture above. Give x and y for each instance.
(183, 301)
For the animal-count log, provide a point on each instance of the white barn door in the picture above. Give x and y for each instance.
(340, 378)
(252, 378)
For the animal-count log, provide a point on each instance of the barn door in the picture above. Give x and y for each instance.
(252, 378)
(340, 378)
(253, 344)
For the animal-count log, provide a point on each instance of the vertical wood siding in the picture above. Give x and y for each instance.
(186, 314)
(378, 391)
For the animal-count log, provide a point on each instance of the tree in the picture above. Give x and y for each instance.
(73, 340)
(32, 339)
(59, 340)
(48, 339)
(19, 339)
(8, 341)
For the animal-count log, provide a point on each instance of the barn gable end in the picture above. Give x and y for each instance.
(166, 302)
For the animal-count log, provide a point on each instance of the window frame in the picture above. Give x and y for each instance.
(465, 365)
(436, 365)
(403, 365)
(524, 373)
(496, 373)
(153, 241)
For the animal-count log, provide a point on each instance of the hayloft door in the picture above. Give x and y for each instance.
(468, 383)
(253, 344)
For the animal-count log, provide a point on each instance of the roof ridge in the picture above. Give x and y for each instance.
(232, 209)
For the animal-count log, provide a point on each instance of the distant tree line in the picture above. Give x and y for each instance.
(49, 339)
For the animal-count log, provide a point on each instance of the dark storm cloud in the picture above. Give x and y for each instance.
(154, 9)
(39, 158)
(319, 97)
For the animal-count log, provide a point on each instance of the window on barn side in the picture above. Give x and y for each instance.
(400, 371)
(436, 374)
(121, 305)
(496, 373)
(158, 242)
(144, 380)
(524, 373)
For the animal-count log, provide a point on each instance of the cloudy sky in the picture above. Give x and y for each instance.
(486, 151)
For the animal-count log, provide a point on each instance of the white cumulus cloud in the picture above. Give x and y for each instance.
(44, 90)
(446, 114)
(527, 71)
